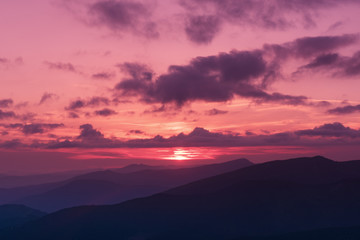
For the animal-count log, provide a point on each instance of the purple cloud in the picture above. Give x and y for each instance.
(122, 15)
(103, 76)
(136, 131)
(92, 102)
(202, 29)
(68, 67)
(215, 111)
(213, 78)
(5, 103)
(345, 110)
(327, 134)
(271, 14)
(33, 128)
(105, 112)
(47, 97)
(336, 64)
(6, 114)
(330, 130)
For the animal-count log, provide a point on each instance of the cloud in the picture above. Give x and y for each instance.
(103, 76)
(47, 97)
(338, 65)
(33, 128)
(323, 60)
(216, 78)
(73, 115)
(307, 47)
(215, 111)
(6, 114)
(5, 103)
(91, 102)
(124, 15)
(202, 29)
(105, 112)
(4, 61)
(222, 77)
(136, 131)
(67, 67)
(270, 14)
(325, 135)
(345, 110)
(330, 130)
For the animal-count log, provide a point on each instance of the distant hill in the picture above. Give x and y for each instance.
(268, 199)
(7, 181)
(109, 187)
(11, 181)
(14, 215)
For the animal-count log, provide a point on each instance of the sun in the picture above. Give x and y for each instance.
(180, 154)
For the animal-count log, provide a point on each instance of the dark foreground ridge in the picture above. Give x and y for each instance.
(14, 215)
(264, 201)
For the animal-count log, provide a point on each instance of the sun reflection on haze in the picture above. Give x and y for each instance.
(183, 154)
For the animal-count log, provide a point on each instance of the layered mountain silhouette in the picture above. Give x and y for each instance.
(9, 181)
(263, 201)
(110, 187)
(14, 215)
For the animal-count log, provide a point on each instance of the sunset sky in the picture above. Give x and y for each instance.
(106, 83)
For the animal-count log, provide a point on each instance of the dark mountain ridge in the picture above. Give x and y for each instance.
(265, 199)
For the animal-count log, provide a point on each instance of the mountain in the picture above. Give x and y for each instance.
(269, 199)
(7, 181)
(13, 215)
(109, 187)
(140, 167)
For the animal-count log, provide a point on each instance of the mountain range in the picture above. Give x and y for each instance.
(111, 186)
(308, 197)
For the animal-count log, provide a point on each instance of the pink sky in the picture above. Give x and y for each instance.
(105, 83)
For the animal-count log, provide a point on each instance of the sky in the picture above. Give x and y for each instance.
(104, 83)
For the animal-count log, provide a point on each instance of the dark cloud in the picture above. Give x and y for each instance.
(15, 143)
(323, 60)
(48, 96)
(334, 63)
(68, 67)
(213, 78)
(103, 76)
(6, 114)
(73, 115)
(215, 111)
(33, 128)
(345, 110)
(324, 135)
(91, 102)
(271, 14)
(202, 29)
(222, 77)
(330, 130)
(5, 103)
(105, 112)
(136, 131)
(307, 47)
(123, 15)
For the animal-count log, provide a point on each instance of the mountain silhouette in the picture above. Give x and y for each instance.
(12, 215)
(109, 187)
(269, 199)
